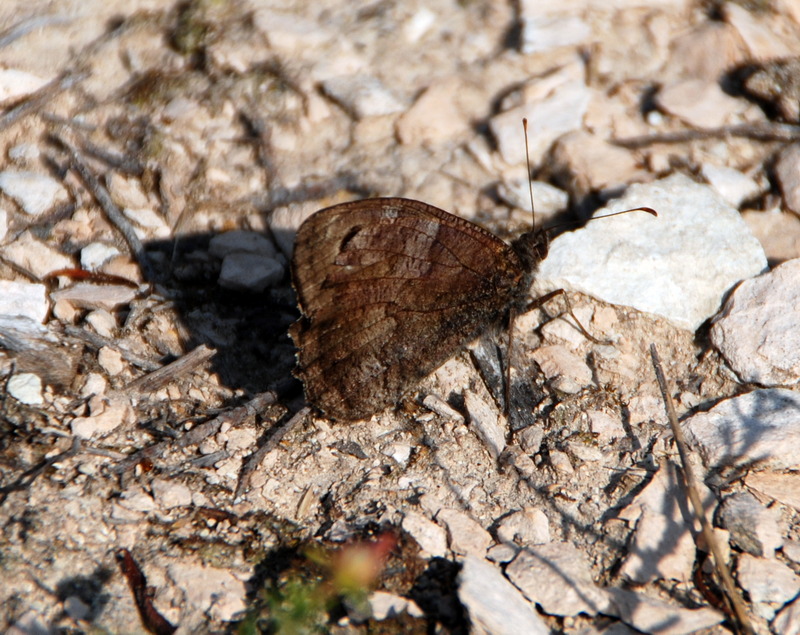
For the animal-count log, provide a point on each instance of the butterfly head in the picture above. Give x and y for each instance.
(531, 248)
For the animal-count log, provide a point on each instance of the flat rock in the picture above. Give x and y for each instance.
(678, 265)
(36, 193)
(525, 527)
(23, 299)
(753, 528)
(96, 254)
(663, 544)
(760, 427)
(558, 578)
(494, 605)
(768, 582)
(466, 536)
(565, 370)
(648, 615)
(546, 32)
(95, 296)
(777, 231)
(487, 423)
(428, 535)
(250, 272)
(362, 96)
(788, 619)
(31, 254)
(699, 103)
(732, 185)
(26, 388)
(782, 487)
(208, 590)
(757, 329)
(434, 117)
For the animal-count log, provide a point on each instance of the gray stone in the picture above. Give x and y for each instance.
(679, 265)
(753, 527)
(495, 607)
(760, 427)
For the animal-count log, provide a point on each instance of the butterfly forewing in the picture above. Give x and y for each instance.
(389, 290)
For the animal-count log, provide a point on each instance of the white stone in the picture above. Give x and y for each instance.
(493, 604)
(768, 582)
(149, 220)
(760, 427)
(431, 538)
(110, 360)
(362, 95)
(753, 528)
(731, 184)
(699, 103)
(95, 296)
(648, 615)
(434, 117)
(546, 32)
(15, 84)
(102, 322)
(215, 592)
(241, 241)
(31, 254)
(466, 536)
(661, 520)
(385, 605)
(787, 621)
(560, 109)
(419, 24)
(563, 369)
(526, 527)
(547, 198)
(787, 172)
(757, 330)
(678, 265)
(169, 494)
(94, 255)
(26, 388)
(558, 578)
(487, 423)
(36, 193)
(249, 272)
(782, 487)
(23, 299)
(106, 414)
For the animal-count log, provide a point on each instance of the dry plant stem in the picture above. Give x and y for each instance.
(36, 100)
(28, 477)
(735, 601)
(172, 371)
(98, 341)
(200, 432)
(767, 131)
(255, 459)
(112, 212)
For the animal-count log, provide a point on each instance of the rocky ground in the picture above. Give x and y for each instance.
(158, 160)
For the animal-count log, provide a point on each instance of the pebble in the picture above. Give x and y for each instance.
(782, 487)
(484, 420)
(434, 117)
(648, 615)
(26, 388)
(250, 272)
(732, 185)
(761, 39)
(777, 231)
(699, 103)
(566, 371)
(590, 164)
(787, 620)
(557, 577)
(787, 173)
(550, 114)
(769, 583)
(86, 295)
(15, 84)
(760, 427)
(169, 494)
(94, 255)
(753, 528)
(466, 536)
(431, 538)
(362, 96)
(545, 32)
(442, 408)
(678, 265)
(31, 254)
(147, 223)
(525, 527)
(101, 321)
(530, 439)
(548, 199)
(660, 521)
(212, 592)
(110, 360)
(127, 192)
(36, 193)
(757, 330)
(241, 241)
(493, 604)
(106, 415)
(386, 605)
(23, 299)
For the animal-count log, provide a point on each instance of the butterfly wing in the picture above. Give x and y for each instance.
(389, 290)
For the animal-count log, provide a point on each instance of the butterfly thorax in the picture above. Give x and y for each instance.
(531, 248)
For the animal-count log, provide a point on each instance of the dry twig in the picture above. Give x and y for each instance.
(172, 371)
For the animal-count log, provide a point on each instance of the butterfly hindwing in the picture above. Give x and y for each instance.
(389, 290)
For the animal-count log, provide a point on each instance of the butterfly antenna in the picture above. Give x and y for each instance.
(528, 165)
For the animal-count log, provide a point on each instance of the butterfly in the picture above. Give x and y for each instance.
(391, 288)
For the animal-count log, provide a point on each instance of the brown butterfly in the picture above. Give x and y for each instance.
(390, 289)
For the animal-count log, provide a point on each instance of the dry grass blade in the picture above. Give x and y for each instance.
(733, 598)
(172, 371)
